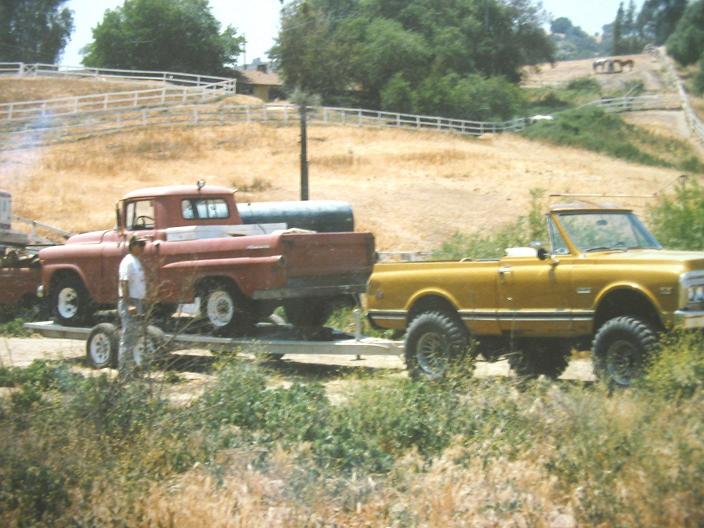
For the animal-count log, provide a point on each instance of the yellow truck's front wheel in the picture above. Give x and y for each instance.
(433, 342)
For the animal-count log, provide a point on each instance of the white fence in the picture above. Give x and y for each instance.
(192, 89)
(50, 128)
(22, 69)
(167, 95)
(695, 124)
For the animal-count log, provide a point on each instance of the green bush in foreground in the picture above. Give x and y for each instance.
(677, 372)
(14, 328)
(89, 453)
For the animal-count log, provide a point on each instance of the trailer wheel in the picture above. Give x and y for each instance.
(308, 313)
(150, 348)
(222, 308)
(70, 303)
(102, 346)
(433, 340)
(621, 349)
(540, 357)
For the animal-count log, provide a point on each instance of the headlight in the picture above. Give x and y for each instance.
(695, 294)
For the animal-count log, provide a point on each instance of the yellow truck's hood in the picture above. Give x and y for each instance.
(690, 260)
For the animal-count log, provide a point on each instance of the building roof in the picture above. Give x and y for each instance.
(258, 78)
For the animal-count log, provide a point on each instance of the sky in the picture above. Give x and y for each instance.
(258, 20)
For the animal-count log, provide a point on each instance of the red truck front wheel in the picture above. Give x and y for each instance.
(70, 302)
(224, 310)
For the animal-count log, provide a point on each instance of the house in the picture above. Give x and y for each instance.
(260, 83)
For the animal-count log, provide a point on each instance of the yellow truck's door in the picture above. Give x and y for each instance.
(535, 296)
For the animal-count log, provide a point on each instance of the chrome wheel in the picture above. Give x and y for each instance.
(100, 349)
(220, 308)
(432, 352)
(623, 362)
(67, 302)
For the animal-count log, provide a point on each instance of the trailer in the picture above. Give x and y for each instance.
(274, 340)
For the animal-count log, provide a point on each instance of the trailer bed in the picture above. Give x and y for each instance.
(271, 339)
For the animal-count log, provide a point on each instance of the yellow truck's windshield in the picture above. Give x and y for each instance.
(601, 231)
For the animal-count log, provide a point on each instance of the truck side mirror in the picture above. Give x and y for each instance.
(542, 253)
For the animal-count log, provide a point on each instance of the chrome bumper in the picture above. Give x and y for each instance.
(689, 318)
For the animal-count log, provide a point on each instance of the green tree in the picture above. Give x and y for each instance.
(686, 44)
(34, 30)
(175, 35)
(618, 31)
(658, 18)
(699, 77)
(381, 52)
(571, 42)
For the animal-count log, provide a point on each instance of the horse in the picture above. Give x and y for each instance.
(599, 63)
(628, 62)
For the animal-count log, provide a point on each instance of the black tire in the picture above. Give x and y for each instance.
(102, 346)
(433, 340)
(70, 303)
(308, 313)
(540, 357)
(163, 311)
(621, 350)
(224, 310)
(150, 348)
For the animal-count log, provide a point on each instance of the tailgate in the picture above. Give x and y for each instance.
(310, 254)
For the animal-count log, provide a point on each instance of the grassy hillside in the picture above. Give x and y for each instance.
(40, 88)
(594, 129)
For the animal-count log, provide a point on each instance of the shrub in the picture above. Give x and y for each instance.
(584, 84)
(594, 129)
(473, 97)
(698, 83)
(677, 220)
(41, 375)
(14, 328)
(678, 370)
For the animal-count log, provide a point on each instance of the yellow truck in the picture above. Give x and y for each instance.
(604, 279)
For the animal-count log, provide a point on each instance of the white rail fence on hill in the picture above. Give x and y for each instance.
(695, 124)
(192, 89)
(167, 95)
(52, 129)
(22, 69)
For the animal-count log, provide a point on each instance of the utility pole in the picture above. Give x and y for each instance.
(304, 101)
(304, 152)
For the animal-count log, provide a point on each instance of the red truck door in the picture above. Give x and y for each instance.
(139, 221)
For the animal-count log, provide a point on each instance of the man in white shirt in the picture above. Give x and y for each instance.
(132, 290)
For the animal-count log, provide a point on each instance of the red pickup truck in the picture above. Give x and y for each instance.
(198, 247)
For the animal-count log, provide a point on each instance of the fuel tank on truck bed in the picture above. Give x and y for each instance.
(323, 216)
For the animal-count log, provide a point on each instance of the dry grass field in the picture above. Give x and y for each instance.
(412, 189)
(647, 69)
(14, 89)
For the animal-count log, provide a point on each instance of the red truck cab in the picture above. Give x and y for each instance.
(198, 248)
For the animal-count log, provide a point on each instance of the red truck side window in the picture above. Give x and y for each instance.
(140, 215)
(192, 208)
